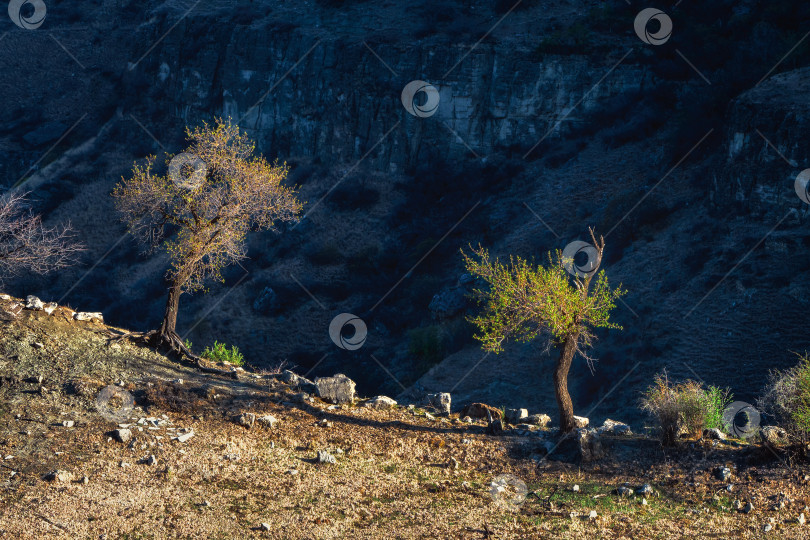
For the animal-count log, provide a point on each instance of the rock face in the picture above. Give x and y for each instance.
(479, 410)
(439, 401)
(337, 389)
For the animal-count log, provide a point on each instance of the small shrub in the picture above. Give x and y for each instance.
(787, 398)
(220, 353)
(685, 407)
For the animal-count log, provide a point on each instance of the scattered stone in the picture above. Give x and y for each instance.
(292, 472)
(615, 428)
(302, 397)
(337, 389)
(467, 420)
(88, 316)
(5, 297)
(85, 480)
(624, 491)
(526, 427)
(50, 307)
(453, 464)
(122, 435)
(151, 460)
(747, 508)
(380, 402)
(646, 490)
(299, 382)
(480, 410)
(767, 527)
(184, 437)
(575, 489)
(592, 515)
(246, 420)
(123, 464)
(439, 401)
(714, 434)
(67, 423)
(206, 504)
(324, 423)
(541, 420)
(32, 302)
(494, 427)
(268, 420)
(581, 422)
(326, 457)
(231, 457)
(774, 435)
(730, 488)
(590, 446)
(429, 416)
(722, 473)
(514, 416)
(801, 519)
(265, 526)
(38, 345)
(643, 501)
(59, 475)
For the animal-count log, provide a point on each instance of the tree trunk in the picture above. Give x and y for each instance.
(168, 327)
(561, 383)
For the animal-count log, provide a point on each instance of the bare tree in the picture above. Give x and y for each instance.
(202, 209)
(26, 245)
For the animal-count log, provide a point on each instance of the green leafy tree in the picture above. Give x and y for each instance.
(525, 302)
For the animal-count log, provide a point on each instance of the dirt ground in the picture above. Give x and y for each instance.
(399, 473)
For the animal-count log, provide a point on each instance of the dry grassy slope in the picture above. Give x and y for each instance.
(393, 477)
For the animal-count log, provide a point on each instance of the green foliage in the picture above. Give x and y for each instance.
(188, 344)
(685, 407)
(524, 301)
(220, 353)
(787, 398)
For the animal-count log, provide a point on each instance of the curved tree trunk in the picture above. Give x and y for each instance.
(168, 327)
(561, 383)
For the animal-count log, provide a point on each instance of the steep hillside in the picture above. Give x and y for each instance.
(186, 459)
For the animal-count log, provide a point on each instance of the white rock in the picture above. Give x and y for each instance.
(268, 420)
(67, 423)
(88, 316)
(5, 297)
(184, 437)
(380, 402)
(32, 302)
(266, 527)
(575, 489)
(581, 421)
(50, 307)
(592, 515)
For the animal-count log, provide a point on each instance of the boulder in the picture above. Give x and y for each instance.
(246, 420)
(774, 435)
(714, 434)
(32, 302)
(50, 307)
(59, 475)
(614, 428)
(268, 420)
(541, 420)
(515, 416)
(439, 401)
(590, 446)
(380, 402)
(326, 457)
(337, 389)
(297, 381)
(122, 435)
(479, 410)
(581, 422)
(88, 316)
